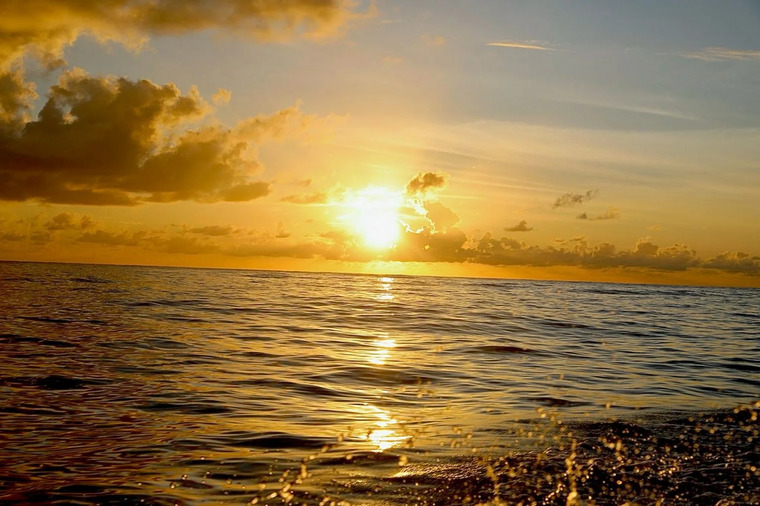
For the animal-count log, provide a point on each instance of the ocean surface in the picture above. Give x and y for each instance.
(143, 385)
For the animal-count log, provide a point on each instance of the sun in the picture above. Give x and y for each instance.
(373, 216)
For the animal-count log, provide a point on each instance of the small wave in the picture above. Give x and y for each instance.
(741, 365)
(91, 279)
(563, 324)
(182, 303)
(309, 389)
(557, 402)
(360, 457)
(52, 382)
(374, 376)
(273, 440)
(189, 408)
(499, 349)
(45, 319)
(38, 340)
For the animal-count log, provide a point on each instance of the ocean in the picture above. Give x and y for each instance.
(151, 385)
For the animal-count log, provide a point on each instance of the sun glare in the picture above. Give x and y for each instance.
(373, 214)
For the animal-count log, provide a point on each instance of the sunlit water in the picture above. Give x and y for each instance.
(155, 385)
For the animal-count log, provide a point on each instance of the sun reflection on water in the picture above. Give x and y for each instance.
(382, 352)
(383, 433)
(386, 285)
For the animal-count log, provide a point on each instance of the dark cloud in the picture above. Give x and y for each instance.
(66, 221)
(573, 199)
(86, 222)
(62, 221)
(46, 27)
(735, 262)
(41, 237)
(610, 214)
(422, 183)
(112, 141)
(426, 245)
(246, 192)
(10, 236)
(520, 227)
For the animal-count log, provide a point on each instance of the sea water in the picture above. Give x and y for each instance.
(187, 386)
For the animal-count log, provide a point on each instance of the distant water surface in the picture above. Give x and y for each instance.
(165, 385)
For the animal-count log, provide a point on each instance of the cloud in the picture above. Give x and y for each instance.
(735, 262)
(281, 232)
(611, 214)
(723, 53)
(66, 221)
(422, 183)
(434, 40)
(528, 44)
(46, 27)
(426, 245)
(212, 230)
(311, 198)
(246, 192)
(112, 238)
(645, 254)
(520, 227)
(10, 236)
(392, 60)
(221, 97)
(113, 141)
(573, 199)
(423, 245)
(440, 216)
(16, 100)
(186, 246)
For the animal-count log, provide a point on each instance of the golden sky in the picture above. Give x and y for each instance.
(604, 141)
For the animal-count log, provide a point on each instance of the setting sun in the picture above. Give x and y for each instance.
(373, 216)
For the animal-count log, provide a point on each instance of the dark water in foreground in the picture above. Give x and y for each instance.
(162, 386)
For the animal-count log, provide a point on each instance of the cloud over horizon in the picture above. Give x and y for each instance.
(424, 245)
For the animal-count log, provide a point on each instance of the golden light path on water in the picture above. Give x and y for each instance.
(383, 433)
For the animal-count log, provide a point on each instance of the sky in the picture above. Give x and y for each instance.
(592, 140)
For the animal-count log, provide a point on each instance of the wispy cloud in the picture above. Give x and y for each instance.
(311, 198)
(527, 44)
(611, 214)
(723, 53)
(573, 199)
(434, 40)
(392, 60)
